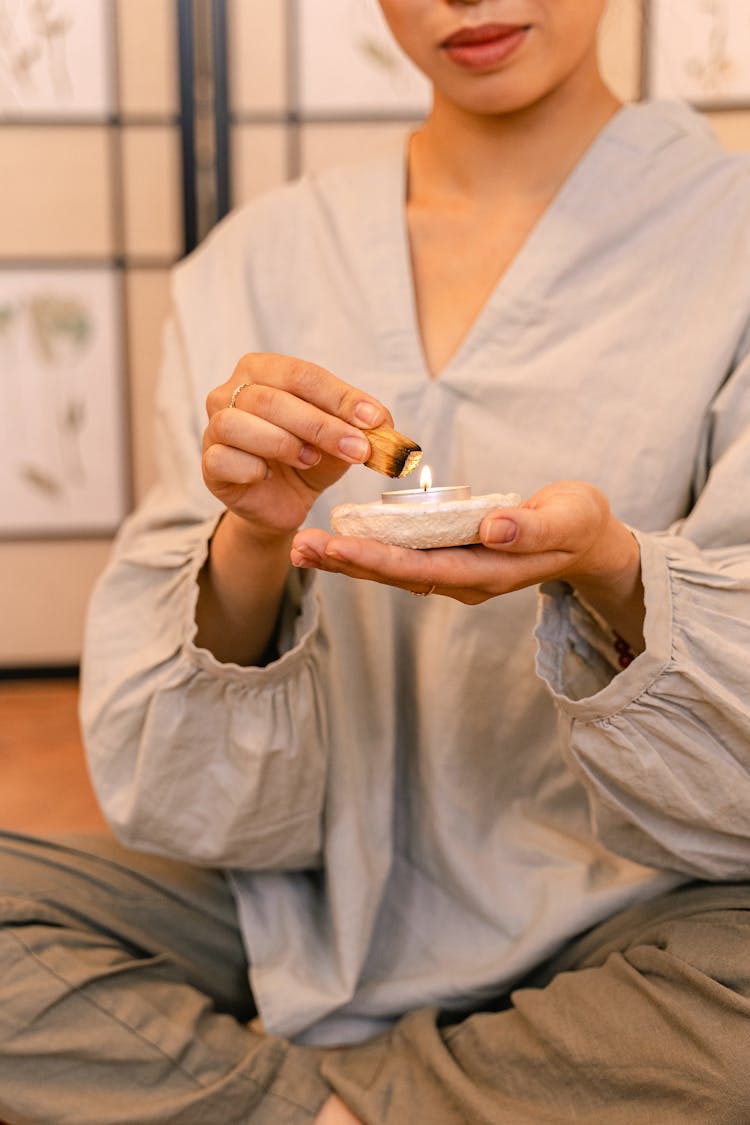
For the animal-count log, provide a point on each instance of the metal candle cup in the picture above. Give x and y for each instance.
(427, 495)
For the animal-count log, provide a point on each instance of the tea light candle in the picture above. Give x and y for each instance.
(422, 517)
(426, 494)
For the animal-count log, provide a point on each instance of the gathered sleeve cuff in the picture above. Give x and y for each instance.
(211, 763)
(663, 745)
(298, 621)
(577, 655)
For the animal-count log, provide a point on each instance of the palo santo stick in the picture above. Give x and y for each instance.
(392, 453)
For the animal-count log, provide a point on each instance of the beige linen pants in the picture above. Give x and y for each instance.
(124, 999)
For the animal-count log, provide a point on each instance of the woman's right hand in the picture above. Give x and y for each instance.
(294, 430)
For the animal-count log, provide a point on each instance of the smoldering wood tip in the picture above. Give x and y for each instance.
(392, 454)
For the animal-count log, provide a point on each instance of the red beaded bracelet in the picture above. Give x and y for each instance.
(625, 654)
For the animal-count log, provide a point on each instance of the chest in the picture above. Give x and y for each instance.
(458, 258)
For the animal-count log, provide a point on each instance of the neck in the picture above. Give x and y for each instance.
(460, 156)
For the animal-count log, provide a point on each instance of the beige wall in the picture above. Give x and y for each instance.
(44, 586)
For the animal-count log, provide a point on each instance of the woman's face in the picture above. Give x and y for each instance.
(497, 56)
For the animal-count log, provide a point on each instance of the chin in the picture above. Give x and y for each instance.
(485, 102)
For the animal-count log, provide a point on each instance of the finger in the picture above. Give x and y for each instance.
(223, 464)
(313, 540)
(308, 548)
(304, 558)
(451, 567)
(300, 442)
(521, 532)
(469, 574)
(357, 558)
(306, 426)
(306, 381)
(564, 522)
(246, 432)
(404, 570)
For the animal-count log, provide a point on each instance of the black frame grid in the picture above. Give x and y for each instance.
(204, 115)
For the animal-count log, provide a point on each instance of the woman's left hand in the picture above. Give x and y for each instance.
(566, 530)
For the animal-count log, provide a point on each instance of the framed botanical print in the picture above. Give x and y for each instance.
(699, 51)
(349, 63)
(56, 59)
(63, 411)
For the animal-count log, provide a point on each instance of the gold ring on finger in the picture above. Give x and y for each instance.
(236, 394)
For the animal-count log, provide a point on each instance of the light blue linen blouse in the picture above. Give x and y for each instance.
(416, 805)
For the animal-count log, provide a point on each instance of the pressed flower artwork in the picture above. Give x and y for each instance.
(62, 423)
(699, 51)
(348, 62)
(55, 58)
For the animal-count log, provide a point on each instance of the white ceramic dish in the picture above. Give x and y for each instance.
(447, 523)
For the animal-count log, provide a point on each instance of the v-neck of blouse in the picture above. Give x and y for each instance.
(526, 272)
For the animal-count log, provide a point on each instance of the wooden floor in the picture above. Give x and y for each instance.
(44, 784)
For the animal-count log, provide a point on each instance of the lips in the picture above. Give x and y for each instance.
(486, 33)
(484, 48)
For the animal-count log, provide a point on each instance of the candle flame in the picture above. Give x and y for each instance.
(425, 478)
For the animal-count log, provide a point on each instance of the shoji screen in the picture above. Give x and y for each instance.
(90, 222)
(95, 205)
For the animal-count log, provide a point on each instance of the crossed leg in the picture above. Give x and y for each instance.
(124, 996)
(643, 1021)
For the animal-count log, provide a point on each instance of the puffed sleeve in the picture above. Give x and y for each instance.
(663, 747)
(212, 763)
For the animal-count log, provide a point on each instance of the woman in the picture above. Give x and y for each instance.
(551, 288)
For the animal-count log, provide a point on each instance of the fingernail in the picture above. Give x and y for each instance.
(355, 448)
(500, 531)
(367, 413)
(309, 455)
(304, 556)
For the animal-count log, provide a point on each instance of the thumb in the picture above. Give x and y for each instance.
(563, 517)
(515, 529)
